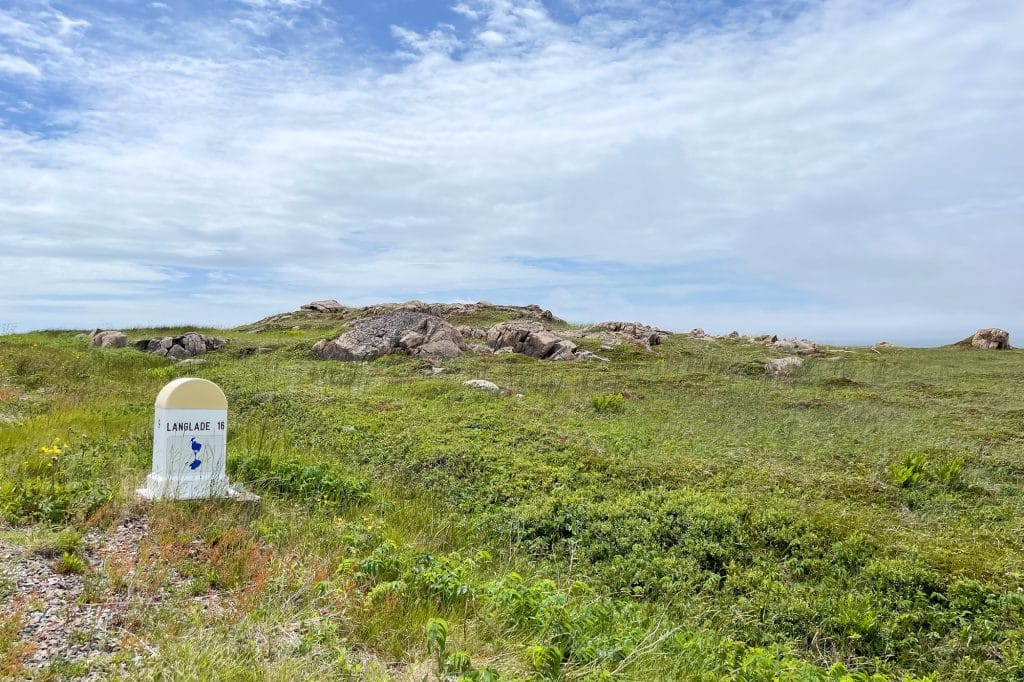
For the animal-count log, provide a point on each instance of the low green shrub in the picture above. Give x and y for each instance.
(321, 483)
(34, 499)
(607, 402)
(70, 563)
(910, 472)
(951, 473)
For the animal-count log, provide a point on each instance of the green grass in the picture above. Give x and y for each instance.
(666, 515)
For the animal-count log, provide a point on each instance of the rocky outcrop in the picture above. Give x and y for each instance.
(612, 334)
(108, 339)
(991, 339)
(326, 306)
(403, 332)
(782, 367)
(181, 347)
(794, 345)
(534, 339)
(446, 310)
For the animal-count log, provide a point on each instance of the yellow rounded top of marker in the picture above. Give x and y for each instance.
(195, 394)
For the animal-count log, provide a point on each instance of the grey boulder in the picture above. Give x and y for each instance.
(782, 367)
(483, 385)
(991, 339)
(108, 339)
(325, 306)
(404, 332)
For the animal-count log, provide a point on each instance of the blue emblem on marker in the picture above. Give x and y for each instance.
(196, 447)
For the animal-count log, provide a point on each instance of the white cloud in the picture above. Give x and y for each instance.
(852, 173)
(439, 41)
(67, 26)
(491, 38)
(17, 66)
(466, 11)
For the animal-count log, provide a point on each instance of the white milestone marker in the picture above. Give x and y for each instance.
(190, 431)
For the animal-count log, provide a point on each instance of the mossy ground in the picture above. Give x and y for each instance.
(860, 519)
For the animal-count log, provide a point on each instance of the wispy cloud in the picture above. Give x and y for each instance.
(855, 166)
(16, 66)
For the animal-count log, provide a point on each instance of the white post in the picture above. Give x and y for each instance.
(190, 428)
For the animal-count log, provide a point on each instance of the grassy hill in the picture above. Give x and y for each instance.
(861, 520)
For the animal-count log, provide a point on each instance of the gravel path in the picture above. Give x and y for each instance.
(59, 626)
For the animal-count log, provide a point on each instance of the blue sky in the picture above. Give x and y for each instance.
(846, 170)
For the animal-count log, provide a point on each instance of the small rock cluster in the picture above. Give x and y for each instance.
(106, 338)
(612, 334)
(534, 339)
(424, 335)
(404, 332)
(991, 339)
(792, 345)
(701, 335)
(181, 347)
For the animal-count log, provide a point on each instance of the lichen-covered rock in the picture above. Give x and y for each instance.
(181, 347)
(108, 338)
(403, 332)
(783, 367)
(991, 339)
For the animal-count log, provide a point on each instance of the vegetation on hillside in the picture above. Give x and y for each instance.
(667, 515)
